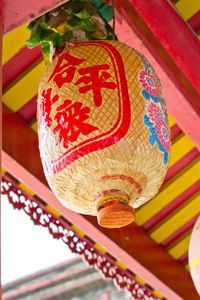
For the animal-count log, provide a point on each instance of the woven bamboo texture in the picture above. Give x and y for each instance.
(132, 165)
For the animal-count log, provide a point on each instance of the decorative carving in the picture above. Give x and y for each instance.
(60, 229)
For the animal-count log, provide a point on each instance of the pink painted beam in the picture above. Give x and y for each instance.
(20, 63)
(175, 131)
(131, 245)
(179, 232)
(28, 111)
(181, 164)
(98, 236)
(173, 34)
(17, 13)
(182, 97)
(184, 258)
(163, 213)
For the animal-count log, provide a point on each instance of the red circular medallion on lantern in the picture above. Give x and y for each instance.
(103, 130)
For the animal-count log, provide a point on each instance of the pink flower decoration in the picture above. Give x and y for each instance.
(157, 85)
(154, 112)
(148, 83)
(163, 133)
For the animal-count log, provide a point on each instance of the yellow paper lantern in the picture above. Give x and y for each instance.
(103, 130)
(194, 255)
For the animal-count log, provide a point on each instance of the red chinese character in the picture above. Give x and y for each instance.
(65, 73)
(70, 119)
(95, 81)
(46, 104)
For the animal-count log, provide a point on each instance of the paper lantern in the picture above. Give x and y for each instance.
(194, 255)
(103, 130)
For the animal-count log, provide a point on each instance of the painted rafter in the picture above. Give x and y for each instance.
(131, 245)
(18, 13)
(166, 49)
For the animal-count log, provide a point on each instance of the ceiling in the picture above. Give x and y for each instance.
(169, 217)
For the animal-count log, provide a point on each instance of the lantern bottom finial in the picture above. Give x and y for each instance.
(116, 216)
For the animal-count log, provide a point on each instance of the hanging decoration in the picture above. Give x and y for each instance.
(74, 22)
(194, 255)
(103, 129)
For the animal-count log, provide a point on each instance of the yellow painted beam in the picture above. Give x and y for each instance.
(181, 248)
(180, 148)
(13, 42)
(3, 170)
(26, 189)
(158, 294)
(140, 280)
(78, 230)
(166, 195)
(178, 220)
(24, 89)
(53, 211)
(187, 267)
(120, 264)
(34, 126)
(187, 8)
(172, 122)
(97, 246)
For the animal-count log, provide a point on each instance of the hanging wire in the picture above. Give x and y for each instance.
(113, 6)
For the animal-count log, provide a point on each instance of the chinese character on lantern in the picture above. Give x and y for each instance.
(46, 104)
(71, 122)
(65, 73)
(95, 81)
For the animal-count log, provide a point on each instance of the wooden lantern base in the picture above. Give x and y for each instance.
(116, 216)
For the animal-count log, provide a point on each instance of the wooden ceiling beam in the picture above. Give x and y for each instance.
(156, 29)
(131, 245)
(17, 13)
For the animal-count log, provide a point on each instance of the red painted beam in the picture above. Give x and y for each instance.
(173, 205)
(131, 245)
(17, 13)
(175, 131)
(20, 63)
(173, 34)
(184, 258)
(179, 232)
(194, 22)
(181, 164)
(21, 143)
(182, 97)
(28, 111)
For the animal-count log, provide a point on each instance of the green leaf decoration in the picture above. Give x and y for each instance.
(98, 3)
(67, 36)
(36, 38)
(91, 9)
(45, 48)
(83, 14)
(107, 12)
(58, 41)
(31, 24)
(49, 35)
(57, 26)
(89, 26)
(74, 21)
(43, 21)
